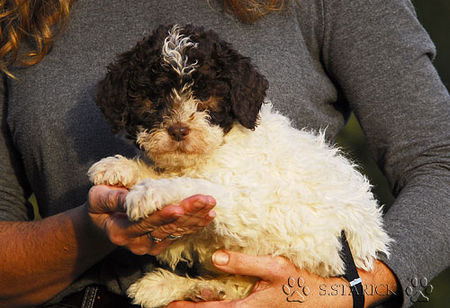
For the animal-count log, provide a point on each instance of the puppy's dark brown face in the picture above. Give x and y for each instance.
(178, 92)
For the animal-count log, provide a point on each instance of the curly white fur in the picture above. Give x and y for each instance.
(173, 50)
(279, 191)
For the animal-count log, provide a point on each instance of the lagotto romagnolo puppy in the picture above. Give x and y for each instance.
(194, 107)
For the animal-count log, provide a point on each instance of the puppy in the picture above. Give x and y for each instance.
(194, 106)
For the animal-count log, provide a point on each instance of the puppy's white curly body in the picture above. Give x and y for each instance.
(279, 191)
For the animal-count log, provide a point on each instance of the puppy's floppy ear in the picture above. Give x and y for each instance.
(112, 92)
(112, 95)
(248, 89)
(128, 80)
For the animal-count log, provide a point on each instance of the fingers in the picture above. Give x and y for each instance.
(119, 233)
(144, 245)
(264, 267)
(106, 199)
(120, 224)
(164, 216)
(189, 216)
(197, 214)
(197, 203)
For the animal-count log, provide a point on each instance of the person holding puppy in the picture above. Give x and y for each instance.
(322, 59)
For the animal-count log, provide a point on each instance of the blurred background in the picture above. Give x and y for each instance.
(435, 17)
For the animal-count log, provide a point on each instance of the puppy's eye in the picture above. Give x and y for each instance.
(203, 96)
(147, 102)
(212, 103)
(202, 106)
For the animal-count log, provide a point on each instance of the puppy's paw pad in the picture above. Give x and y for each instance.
(143, 200)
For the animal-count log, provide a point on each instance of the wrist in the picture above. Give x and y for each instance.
(379, 285)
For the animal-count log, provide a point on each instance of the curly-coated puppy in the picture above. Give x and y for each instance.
(194, 106)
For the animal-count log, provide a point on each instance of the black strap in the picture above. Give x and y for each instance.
(351, 274)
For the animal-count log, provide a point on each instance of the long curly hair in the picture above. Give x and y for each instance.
(39, 22)
(248, 11)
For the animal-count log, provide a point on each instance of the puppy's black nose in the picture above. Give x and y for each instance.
(178, 131)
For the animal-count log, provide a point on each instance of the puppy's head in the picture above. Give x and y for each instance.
(178, 92)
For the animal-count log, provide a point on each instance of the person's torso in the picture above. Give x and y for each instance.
(59, 130)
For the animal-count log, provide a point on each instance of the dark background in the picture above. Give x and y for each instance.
(435, 17)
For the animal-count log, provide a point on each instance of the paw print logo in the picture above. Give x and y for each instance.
(416, 294)
(296, 290)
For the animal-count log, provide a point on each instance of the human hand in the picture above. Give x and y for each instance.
(105, 208)
(274, 272)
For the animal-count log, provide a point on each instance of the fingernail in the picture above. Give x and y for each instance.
(211, 200)
(220, 258)
(212, 214)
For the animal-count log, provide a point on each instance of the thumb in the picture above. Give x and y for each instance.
(106, 199)
(264, 267)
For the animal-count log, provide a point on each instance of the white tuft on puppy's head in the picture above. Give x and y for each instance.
(173, 51)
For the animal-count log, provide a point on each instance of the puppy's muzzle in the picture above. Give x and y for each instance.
(178, 131)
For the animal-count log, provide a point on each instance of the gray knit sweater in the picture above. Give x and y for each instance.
(322, 58)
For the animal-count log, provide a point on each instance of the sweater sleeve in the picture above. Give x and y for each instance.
(380, 57)
(13, 195)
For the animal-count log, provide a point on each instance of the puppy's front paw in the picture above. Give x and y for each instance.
(115, 170)
(144, 199)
